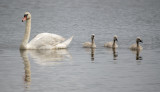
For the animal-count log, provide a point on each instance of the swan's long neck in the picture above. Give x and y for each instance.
(26, 35)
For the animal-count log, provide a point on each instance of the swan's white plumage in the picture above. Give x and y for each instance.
(45, 40)
(63, 44)
(42, 40)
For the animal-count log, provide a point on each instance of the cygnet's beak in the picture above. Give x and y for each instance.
(141, 41)
(117, 40)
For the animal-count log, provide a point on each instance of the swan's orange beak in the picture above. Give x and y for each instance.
(25, 18)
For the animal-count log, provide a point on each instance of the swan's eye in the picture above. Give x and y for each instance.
(25, 15)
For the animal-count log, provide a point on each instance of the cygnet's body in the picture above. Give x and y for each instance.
(137, 46)
(113, 43)
(90, 44)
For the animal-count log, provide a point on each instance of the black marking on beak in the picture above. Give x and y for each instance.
(25, 17)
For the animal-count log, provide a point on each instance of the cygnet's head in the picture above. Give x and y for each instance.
(92, 36)
(139, 40)
(27, 16)
(115, 38)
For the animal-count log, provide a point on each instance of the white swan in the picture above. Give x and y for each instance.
(42, 40)
(90, 44)
(112, 44)
(137, 46)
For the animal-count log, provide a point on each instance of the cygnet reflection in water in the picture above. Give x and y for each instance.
(49, 57)
(92, 54)
(27, 69)
(114, 52)
(138, 57)
(91, 51)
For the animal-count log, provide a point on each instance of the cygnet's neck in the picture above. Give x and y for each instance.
(114, 43)
(93, 43)
(26, 35)
(137, 44)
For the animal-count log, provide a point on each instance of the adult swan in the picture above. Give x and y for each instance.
(42, 40)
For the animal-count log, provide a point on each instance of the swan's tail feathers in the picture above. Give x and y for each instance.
(67, 42)
(64, 44)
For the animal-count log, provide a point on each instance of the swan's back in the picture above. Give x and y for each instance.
(45, 40)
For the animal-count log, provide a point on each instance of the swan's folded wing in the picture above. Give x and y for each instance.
(45, 39)
(64, 44)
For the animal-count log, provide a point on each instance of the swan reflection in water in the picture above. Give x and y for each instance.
(27, 76)
(49, 57)
(91, 51)
(42, 57)
(138, 57)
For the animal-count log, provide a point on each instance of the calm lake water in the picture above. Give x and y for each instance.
(77, 69)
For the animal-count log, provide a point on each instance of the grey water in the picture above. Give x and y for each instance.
(78, 69)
